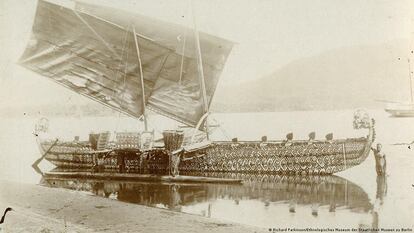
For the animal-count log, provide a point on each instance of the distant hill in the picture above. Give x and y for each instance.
(64, 110)
(344, 78)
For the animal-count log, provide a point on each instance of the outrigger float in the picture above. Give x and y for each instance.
(79, 174)
(134, 64)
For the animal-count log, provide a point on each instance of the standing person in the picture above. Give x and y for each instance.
(380, 160)
(175, 159)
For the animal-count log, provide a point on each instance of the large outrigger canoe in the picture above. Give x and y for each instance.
(133, 64)
(274, 157)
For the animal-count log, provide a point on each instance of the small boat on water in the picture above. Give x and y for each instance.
(401, 109)
(134, 64)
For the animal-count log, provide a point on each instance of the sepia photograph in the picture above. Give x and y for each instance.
(215, 116)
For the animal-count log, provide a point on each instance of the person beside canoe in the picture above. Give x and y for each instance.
(380, 160)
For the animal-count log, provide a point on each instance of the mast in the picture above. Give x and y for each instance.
(411, 81)
(141, 74)
(182, 57)
(200, 70)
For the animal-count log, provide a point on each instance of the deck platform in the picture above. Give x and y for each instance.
(141, 177)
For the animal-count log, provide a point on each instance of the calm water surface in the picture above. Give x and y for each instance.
(354, 198)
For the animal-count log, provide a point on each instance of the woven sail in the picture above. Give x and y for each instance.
(90, 50)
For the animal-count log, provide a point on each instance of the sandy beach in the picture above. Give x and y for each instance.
(42, 209)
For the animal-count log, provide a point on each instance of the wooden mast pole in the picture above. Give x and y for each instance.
(200, 70)
(141, 74)
(182, 57)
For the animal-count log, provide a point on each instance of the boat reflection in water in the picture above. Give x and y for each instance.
(381, 193)
(261, 201)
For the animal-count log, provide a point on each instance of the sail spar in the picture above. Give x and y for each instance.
(90, 49)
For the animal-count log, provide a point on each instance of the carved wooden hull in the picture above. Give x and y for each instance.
(276, 158)
(70, 155)
(301, 157)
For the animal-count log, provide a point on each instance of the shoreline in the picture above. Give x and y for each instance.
(42, 209)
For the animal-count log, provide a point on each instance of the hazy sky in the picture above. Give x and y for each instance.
(268, 35)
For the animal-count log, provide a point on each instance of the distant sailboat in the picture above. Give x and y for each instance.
(403, 109)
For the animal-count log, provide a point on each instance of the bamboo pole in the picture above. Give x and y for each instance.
(141, 74)
(182, 57)
(200, 70)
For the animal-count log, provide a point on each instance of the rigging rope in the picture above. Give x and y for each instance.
(182, 57)
(225, 133)
(125, 72)
(111, 49)
(183, 50)
(97, 34)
